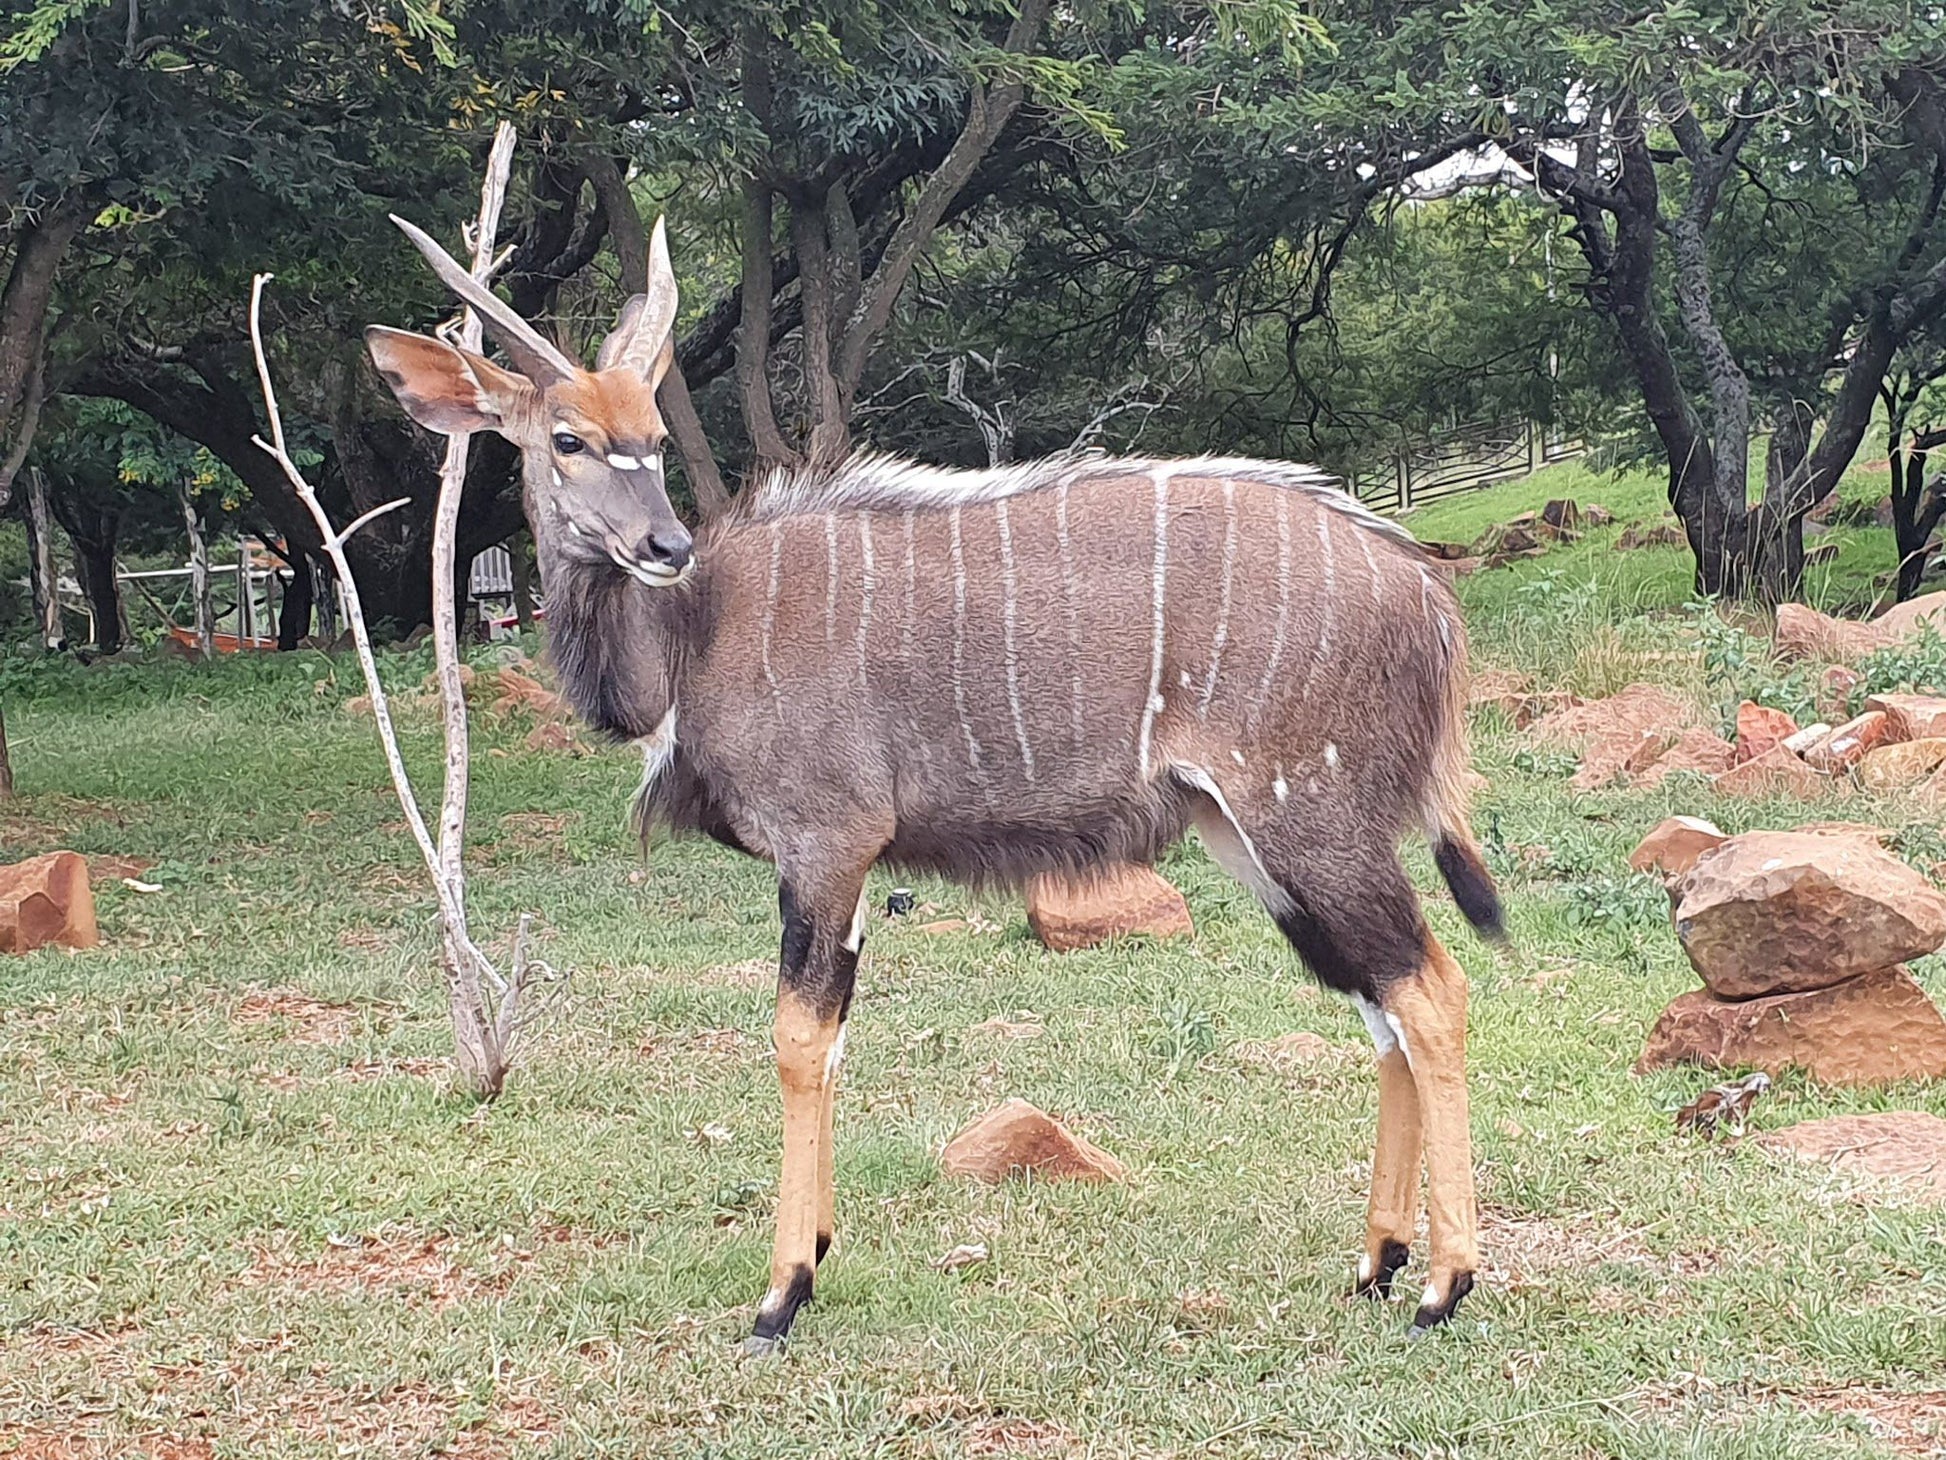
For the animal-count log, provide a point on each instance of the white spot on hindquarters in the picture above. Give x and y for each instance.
(1331, 755)
(1230, 844)
(1281, 788)
(770, 616)
(1283, 609)
(1237, 756)
(1008, 612)
(1223, 606)
(1152, 706)
(959, 641)
(868, 578)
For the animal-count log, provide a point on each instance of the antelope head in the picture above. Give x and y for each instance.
(590, 440)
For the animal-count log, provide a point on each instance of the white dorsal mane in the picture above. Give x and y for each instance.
(869, 481)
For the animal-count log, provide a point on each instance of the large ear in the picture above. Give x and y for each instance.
(639, 338)
(444, 389)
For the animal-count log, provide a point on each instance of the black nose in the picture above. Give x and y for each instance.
(670, 545)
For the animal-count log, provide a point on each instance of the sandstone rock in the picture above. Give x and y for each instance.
(1637, 708)
(514, 691)
(1114, 901)
(1596, 515)
(1900, 766)
(1835, 687)
(1804, 633)
(1018, 1137)
(557, 737)
(1912, 717)
(1702, 751)
(1871, 1030)
(1809, 736)
(1620, 755)
(1904, 1146)
(1514, 696)
(1902, 620)
(1844, 747)
(1673, 846)
(1661, 534)
(1774, 773)
(47, 900)
(1759, 727)
(1773, 912)
(1863, 830)
(1563, 514)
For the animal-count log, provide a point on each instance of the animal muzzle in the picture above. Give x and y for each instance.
(660, 556)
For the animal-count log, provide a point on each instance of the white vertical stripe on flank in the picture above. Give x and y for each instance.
(868, 579)
(1223, 606)
(959, 642)
(770, 614)
(1371, 564)
(1007, 623)
(911, 592)
(830, 578)
(1153, 703)
(1283, 607)
(1074, 612)
(1330, 587)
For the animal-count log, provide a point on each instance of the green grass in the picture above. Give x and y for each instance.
(237, 1223)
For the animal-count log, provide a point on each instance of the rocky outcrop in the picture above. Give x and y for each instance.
(47, 900)
(1875, 1029)
(1069, 914)
(1785, 912)
(1672, 846)
(1019, 1138)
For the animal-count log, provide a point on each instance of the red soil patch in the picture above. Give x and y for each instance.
(309, 1020)
(1908, 1424)
(406, 1419)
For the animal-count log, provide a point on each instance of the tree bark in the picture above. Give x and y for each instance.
(24, 300)
(294, 616)
(199, 589)
(6, 759)
(94, 562)
(44, 575)
(521, 567)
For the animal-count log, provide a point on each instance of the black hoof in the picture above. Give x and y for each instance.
(1378, 1283)
(779, 1310)
(1431, 1315)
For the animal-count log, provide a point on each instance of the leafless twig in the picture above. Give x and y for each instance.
(486, 1025)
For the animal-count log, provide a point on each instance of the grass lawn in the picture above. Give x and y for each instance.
(243, 1214)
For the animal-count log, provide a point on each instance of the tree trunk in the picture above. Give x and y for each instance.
(6, 759)
(294, 621)
(1917, 507)
(324, 593)
(25, 298)
(199, 591)
(94, 562)
(43, 573)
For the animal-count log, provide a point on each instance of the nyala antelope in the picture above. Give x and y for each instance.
(989, 674)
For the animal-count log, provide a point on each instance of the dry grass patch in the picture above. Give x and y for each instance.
(404, 1419)
(1522, 1249)
(299, 1018)
(413, 1265)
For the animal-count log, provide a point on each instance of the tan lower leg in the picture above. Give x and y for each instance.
(1394, 1209)
(805, 1041)
(827, 1159)
(1431, 1010)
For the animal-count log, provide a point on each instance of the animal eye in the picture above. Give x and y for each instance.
(568, 444)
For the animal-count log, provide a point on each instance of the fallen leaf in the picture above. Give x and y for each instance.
(967, 1254)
